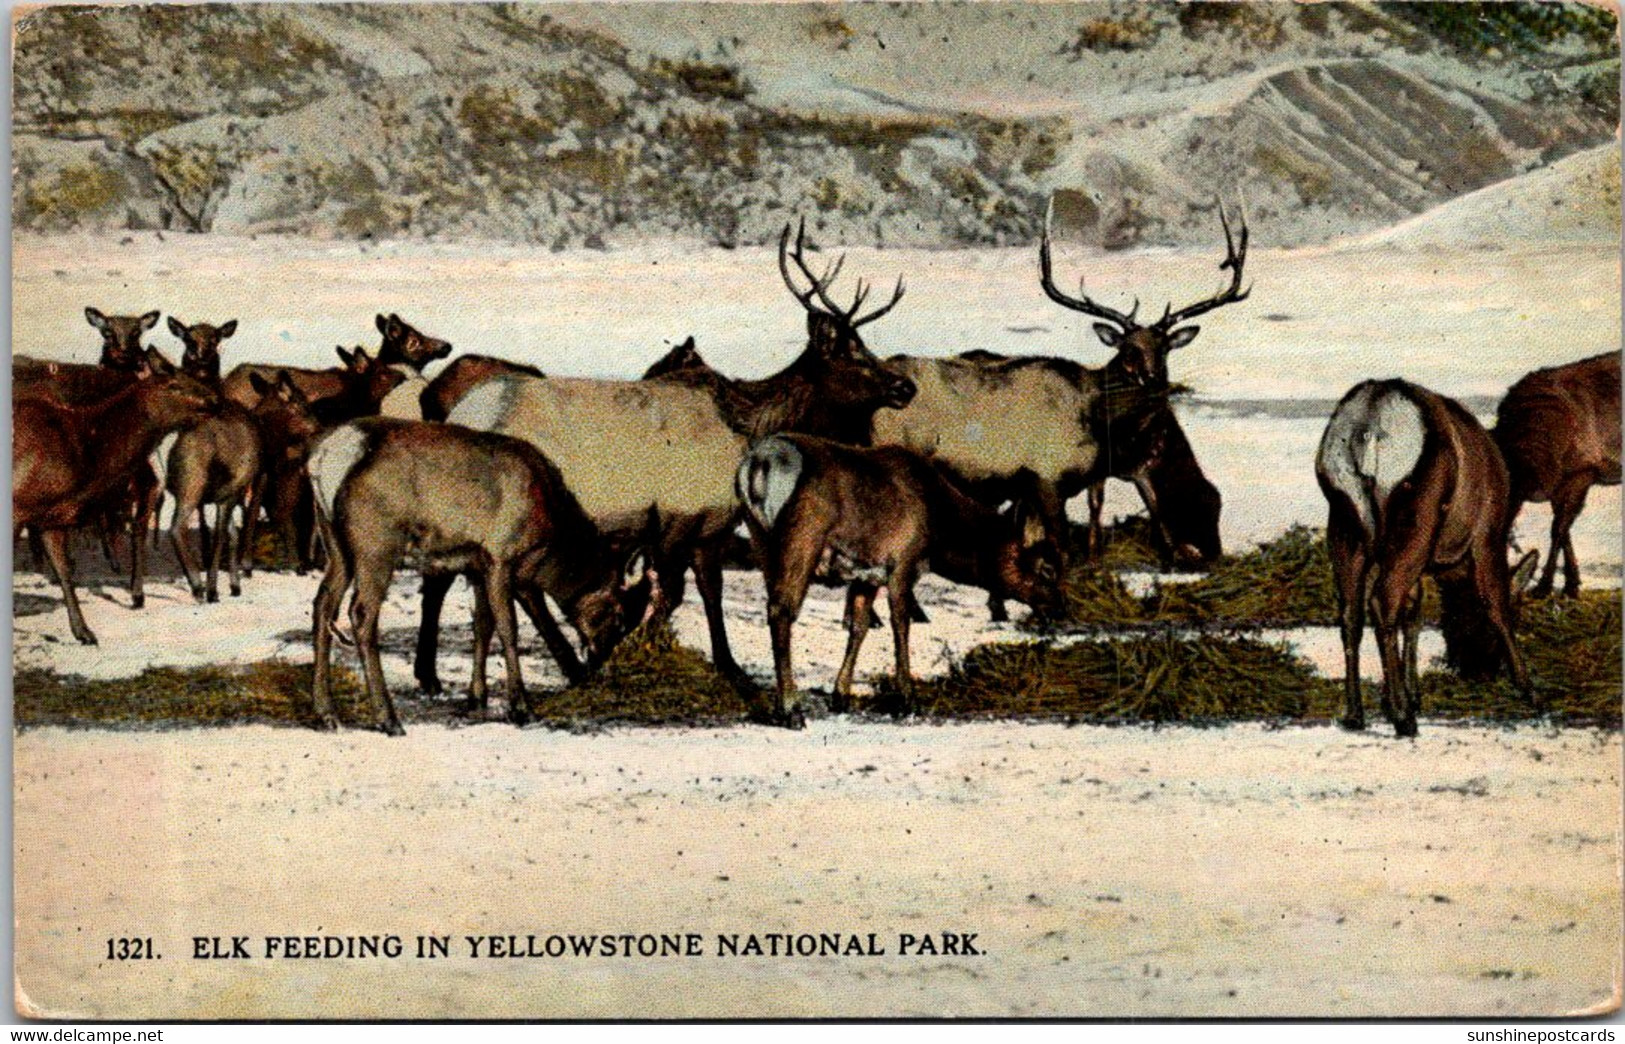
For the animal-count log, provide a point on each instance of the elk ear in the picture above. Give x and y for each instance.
(382, 322)
(1183, 336)
(346, 357)
(149, 320)
(260, 385)
(228, 329)
(176, 328)
(289, 391)
(1109, 335)
(362, 359)
(158, 364)
(1032, 527)
(96, 319)
(636, 570)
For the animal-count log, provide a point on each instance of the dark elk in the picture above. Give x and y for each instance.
(676, 441)
(1147, 447)
(67, 461)
(1558, 429)
(869, 517)
(994, 419)
(466, 501)
(1416, 487)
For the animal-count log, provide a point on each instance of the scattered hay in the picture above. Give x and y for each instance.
(1149, 678)
(1286, 582)
(271, 692)
(648, 680)
(1572, 648)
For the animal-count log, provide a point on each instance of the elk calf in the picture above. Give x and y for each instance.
(869, 518)
(1416, 486)
(1559, 431)
(466, 501)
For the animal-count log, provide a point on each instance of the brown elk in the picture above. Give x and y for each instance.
(1415, 487)
(1558, 429)
(1148, 447)
(621, 444)
(121, 338)
(467, 501)
(67, 462)
(869, 517)
(460, 376)
(992, 418)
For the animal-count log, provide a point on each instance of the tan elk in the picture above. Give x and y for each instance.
(1416, 487)
(460, 376)
(993, 419)
(869, 517)
(1558, 429)
(69, 461)
(464, 501)
(621, 444)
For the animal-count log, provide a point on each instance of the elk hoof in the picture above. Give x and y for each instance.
(998, 613)
(430, 686)
(519, 714)
(327, 723)
(1405, 728)
(236, 590)
(138, 601)
(1351, 724)
(212, 597)
(794, 718)
(474, 706)
(198, 595)
(87, 638)
(393, 727)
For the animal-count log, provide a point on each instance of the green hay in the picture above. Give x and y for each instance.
(1126, 545)
(1572, 649)
(648, 680)
(1148, 678)
(1283, 583)
(271, 692)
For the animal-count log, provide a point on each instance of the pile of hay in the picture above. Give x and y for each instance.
(1572, 648)
(1160, 677)
(648, 680)
(271, 692)
(1286, 582)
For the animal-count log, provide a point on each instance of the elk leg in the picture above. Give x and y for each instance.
(148, 509)
(1411, 629)
(1566, 507)
(372, 575)
(252, 499)
(860, 600)
(1492, 585)
(234, 559)
(222, 538)
(484, 624)
(996, 610)
(304, 529)
(899, 590)
(56, 551)
(499, 593)
(790, 571)
(1096, 543)
(563, 653)
(1349, 568)
(188, 495)
(324, 614)
(435, 588)
(1394, 589)
(708, 578)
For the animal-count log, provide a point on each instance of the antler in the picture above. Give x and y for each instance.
(821, 284)
(1077, 304)
(1235, 257)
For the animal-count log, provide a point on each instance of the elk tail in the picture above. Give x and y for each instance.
(1373, 442)
(768, 477)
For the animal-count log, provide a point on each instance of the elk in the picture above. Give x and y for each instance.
(991, 418)
(1148, 447)
(1416, 486)
(621, 444)
(459, 377)
(464, 500)
(67, 461)
(1558, 429)
(121, 338)
(869, 517)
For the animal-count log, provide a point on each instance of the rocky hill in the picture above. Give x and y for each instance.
(915, 124)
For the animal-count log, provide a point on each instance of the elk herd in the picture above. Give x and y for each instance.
(845, 468)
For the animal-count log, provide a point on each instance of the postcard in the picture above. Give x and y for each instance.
(734, 510)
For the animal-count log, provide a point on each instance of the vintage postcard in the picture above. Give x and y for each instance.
(790, 510)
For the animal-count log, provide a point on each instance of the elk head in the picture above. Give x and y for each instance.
(405, 345)
(174, 398)
(285, 411)
(201, 358)
(121, 338)
(1142, 350)
(1029, 560)
(605, 615)
(837, 362)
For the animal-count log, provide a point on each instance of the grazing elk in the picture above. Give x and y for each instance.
(991, 418)
(869, 517)
(1416, 487)
(462, 375)
(1558, 429)
(1147, 447)
(466, 501)
(621, 444)
(68, 462)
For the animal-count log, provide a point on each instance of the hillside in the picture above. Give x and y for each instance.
(900, 124)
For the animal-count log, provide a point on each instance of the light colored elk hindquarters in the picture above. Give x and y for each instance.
(1372, 444)
(767, 479)
(993, 422)
(620, 445)
(331, 461)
